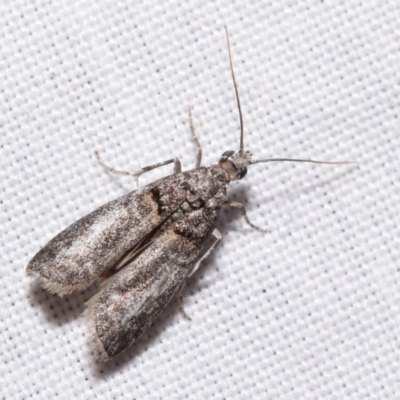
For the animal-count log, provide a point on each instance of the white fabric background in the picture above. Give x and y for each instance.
(309, 310)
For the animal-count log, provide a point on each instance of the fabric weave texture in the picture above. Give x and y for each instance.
(309, 310)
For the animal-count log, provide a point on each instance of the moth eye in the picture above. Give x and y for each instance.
(227, 154)
(242, 173)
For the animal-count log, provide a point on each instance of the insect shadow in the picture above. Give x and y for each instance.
(59, 310)
(299, 188)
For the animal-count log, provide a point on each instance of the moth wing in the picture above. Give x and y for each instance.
(90, 246)
(130, 300)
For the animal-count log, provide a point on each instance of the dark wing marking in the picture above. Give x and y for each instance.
(132, 298)
(89, 247)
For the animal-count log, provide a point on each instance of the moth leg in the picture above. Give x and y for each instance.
(195, 139)
(136, 174)
(218, 237)
(243, 210)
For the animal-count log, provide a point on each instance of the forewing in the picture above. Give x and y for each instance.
(89, 247)
(131, 300)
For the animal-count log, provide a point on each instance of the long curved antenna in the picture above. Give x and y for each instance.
(236, 90)
(302, 160)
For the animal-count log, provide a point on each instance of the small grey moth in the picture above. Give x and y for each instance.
(143, 246)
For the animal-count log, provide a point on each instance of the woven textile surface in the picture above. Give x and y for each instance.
(308, 310)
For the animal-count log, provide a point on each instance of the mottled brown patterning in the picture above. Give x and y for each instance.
(177, 212)
(78, 255)
(130, 301)
(144, 245)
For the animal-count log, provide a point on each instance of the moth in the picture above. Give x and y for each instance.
(145, 245)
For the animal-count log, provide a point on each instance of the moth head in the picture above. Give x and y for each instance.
(235, 163)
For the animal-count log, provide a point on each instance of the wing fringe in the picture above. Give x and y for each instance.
(57, 288)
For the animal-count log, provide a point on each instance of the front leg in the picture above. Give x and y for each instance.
(243, 210)
(195, 139)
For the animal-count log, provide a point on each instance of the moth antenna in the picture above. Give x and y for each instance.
(302, 160)
(236, 90)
